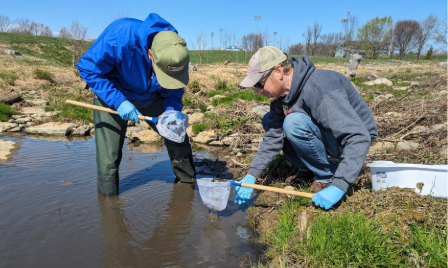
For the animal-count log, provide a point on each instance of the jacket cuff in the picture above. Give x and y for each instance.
(255, 172)
(341, 184)
(117, 102)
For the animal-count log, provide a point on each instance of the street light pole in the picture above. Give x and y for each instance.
(220, 31)
(275, 34)
(257, 18)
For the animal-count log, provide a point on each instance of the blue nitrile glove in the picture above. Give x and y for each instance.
(243, 193)
(127, 111)
(328, 197)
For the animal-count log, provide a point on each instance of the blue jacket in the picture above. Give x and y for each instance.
(117, 66)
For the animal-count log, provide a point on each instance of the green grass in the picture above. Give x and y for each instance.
(9, 77)
(242, 95)
(351, 239)
(220, 84)
(69, 111)
(6, 111)
(224, 123)
(317, 59)
(43, 75)
(199, 127)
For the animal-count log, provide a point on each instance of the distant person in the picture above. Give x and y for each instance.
(313, 114)
(135, 67)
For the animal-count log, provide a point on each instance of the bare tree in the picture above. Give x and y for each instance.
(64, 33)
(23, 26)
(257, 42)
(201, 43)
(406, 36)
(308, 38)
(283, 43)
(317, 29)
(296, 49)
(440, 33)
(247, 42)
(5, 23)
(426, 31)
(46, 31)
(78, 34)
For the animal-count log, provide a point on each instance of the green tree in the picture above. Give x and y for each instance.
(375, 34)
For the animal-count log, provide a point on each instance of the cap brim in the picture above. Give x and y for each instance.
(251, 80)
(172, 82)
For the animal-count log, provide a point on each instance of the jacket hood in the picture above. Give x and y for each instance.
(302, 69)
(150, 27)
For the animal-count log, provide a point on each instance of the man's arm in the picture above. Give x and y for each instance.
(272, 142)
(336, 114)
(172, 98)
(100, 59)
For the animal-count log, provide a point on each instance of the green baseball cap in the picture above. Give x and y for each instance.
(170, 56)
(264, 59)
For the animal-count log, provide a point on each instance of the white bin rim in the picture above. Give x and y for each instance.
(390, 164)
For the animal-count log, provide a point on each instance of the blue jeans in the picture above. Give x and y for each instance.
(307, 145)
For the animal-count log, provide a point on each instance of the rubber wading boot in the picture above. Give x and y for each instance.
(107, 187)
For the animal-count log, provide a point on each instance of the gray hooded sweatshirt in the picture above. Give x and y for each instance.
(331, 100)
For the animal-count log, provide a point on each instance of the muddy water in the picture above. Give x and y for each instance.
(52, 216)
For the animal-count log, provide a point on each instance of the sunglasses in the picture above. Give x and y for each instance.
(260, 83)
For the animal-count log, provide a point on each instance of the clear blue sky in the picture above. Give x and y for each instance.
(288, 18)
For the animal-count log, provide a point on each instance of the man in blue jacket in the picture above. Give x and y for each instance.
(137, 68)
(313, 114)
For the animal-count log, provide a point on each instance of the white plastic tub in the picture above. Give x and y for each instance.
(432, 178)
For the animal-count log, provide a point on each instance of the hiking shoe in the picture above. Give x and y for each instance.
(318, 186)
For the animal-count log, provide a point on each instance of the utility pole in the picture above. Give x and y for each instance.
(220, 42)
(275, 34)
(212, 39)
(257, 18)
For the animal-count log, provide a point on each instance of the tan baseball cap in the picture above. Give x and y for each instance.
(170, 55)
(264, 59)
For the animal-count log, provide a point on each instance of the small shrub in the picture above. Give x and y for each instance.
(202, 107)
(187, 102)
(194, 85)
(43, 75)
(199, 127)
(77, 74)
(429, 54)
(6, 111)
(220, 84)
(8, 76)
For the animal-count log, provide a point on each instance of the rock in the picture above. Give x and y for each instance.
(6, 149)
(381, 147)
(236, 150)
(17, 116)
(290, 188)
(354, 62)
(439, 126)
(33, 110)
(443, 92)
(393, 114)
(407, 145)
(81, 131)
(29, 124)
(132, 130)
(370, 83)
(17, 129)
(39, 102)
(195, 118)
(192, 67)
(383, 81)
(12, 52)
(260, 111)
(239, 154)
(24, 120)
(191, 111)
(210, 108)
(226, 62)
(5, 126)
(145, 136)
(52, 128)
(216, 143)
(443, 63)
(92, 131)
(228, 141)
(419, 129)
(388, 96)
(218, 97)
(190, 132)
(401, 88)
(414, 83)
(10, 98)
(205, 137)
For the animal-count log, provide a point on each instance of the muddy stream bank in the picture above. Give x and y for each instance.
(52, 216)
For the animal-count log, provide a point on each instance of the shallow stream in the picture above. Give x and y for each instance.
(52, 216)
